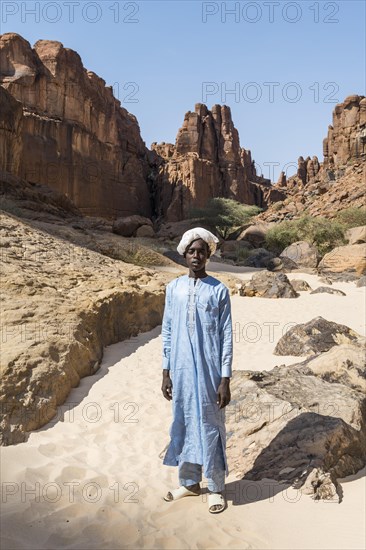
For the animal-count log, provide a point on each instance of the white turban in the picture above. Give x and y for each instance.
(197, 233)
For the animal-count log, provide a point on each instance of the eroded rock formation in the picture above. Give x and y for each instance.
(73, 135)
(206, 161)
(339, 182)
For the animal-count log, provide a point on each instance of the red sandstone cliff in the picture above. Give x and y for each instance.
(207, 161)
(61, 126)
(69, 131)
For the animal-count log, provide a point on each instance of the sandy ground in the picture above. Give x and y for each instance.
(93, 478)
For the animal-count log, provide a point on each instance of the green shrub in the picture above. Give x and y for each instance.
(325, 234)
(224, 215)
(352, 217)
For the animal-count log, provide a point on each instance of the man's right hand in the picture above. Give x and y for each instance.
(167, 385)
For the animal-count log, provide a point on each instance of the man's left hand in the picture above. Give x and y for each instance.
(223, 393)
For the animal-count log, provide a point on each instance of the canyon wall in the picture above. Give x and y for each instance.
(73, 134)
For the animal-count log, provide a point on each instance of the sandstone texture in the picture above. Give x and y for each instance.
(61, 304)
(350, 258)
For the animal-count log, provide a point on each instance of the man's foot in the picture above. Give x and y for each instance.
(190, 491)
(216, 503)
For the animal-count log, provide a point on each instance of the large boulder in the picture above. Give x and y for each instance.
(269, 285)
(315, 336)
(302, 253)
(350, 258)
(356, 235)
(256, 233)
(128, 226)
(296, 427)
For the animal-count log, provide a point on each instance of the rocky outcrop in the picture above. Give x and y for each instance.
(205, 162)
(346, 139)
(337, 183)
(316, 336)
(277, 429)
(73, 135)
(61, 304)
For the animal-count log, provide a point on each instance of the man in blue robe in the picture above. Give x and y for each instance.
(197, 361)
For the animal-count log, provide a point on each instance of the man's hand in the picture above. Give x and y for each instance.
(223, 393)
(167, 385)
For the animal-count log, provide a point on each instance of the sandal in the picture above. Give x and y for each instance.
(181, 492)
(216, 500)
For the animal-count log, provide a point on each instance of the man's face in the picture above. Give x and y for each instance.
(197, 254)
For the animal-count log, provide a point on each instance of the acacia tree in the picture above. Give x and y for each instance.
(224, 215)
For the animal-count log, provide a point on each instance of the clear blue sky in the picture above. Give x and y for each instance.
(288, 63)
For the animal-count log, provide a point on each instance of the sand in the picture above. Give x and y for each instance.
(93, 478)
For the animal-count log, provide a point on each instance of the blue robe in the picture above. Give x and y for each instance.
(197, 348)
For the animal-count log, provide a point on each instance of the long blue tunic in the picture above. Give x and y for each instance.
(197, 348)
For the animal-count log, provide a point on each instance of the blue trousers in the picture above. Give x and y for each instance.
(190, 473)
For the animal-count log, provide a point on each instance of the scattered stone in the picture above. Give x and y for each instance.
(316, 336)
(300, 285)
(328, 290)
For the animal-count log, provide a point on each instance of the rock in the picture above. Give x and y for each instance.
(269, 285)
(281, 264)
(61, 305)
(255, 234)
(356, 235)
(145, 231)
(128, 226)
(361, 281)
(259, 257)
(73, 135)
(295, 427)
(274, 264)
(351, 258)
(328, 290)
(343, 364)
(300, 285)
(316, 336)
(302, 253)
